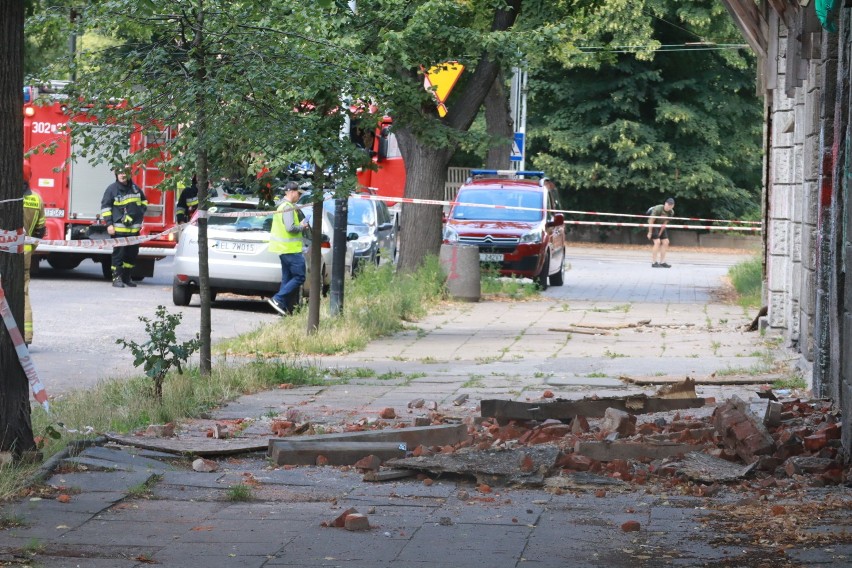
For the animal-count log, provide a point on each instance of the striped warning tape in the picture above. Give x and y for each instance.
(23, 353)
(566, 211)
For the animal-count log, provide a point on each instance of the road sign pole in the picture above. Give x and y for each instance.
(518, 108)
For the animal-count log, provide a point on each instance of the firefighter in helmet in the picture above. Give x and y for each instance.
(187, 202)
(123, 209)
(34, 227)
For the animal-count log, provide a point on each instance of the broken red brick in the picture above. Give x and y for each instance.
(64, 498)
(600, 493)
(616, 420)
(833, 476)
(631, 526)
(647, 428)
(483, 488)
(322, 460)
(547, 394)
(527, 465)
(740, 430)
(815, 442)
(778, 510)
(340, 521)
(387, 413)
(371, 462)
(579, 425)
(798, 465)
(575, 462)
(357, 522)
(428, 482)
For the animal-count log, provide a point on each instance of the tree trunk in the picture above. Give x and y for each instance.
(426, 174)
(498, 123)
(205, 365)
(16, 432)
(426, 167)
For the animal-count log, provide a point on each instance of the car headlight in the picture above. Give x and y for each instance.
(362, 244)
(533, 237)
(450, 235)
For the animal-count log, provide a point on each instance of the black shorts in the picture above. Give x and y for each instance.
(659, 233)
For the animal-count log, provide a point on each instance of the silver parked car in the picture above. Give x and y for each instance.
(238, 257)
(371, 228)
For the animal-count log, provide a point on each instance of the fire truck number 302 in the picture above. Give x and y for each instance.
(44, 128)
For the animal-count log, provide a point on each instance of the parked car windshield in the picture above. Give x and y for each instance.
(360, 212)
(511, 198)
(253, 223)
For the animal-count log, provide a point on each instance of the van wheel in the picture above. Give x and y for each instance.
(181, 293)
(543, 275)
(558, 278)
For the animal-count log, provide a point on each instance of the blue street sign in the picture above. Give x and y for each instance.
(517, 154)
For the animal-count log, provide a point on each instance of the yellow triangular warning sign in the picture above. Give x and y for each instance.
(443, 78)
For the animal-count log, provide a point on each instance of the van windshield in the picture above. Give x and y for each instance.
(475, 205)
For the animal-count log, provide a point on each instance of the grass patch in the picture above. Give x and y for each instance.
(747, 278)
(378, 302)
(492, 284)
(143, 489)
(239, 493)
(474, 382)
(11, 521)
(791, 383)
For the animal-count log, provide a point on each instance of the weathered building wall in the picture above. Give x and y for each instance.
(806, 74)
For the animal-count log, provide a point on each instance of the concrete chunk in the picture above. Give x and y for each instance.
(608, 451)
(445, 434)
(334, 452)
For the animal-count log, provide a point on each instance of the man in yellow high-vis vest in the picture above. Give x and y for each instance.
(34, 225)
(286, 241)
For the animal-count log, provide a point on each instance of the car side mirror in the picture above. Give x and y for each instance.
(352, 237)
(557, 221)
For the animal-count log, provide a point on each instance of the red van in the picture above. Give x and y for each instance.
(509, 216)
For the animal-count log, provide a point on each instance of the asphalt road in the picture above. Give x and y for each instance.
(78, 316)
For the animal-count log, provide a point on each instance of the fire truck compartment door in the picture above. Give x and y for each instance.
(88, 182)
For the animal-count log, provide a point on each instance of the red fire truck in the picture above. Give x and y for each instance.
(72, 187)
(389, 179)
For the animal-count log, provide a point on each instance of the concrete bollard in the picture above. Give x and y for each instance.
(461, 265)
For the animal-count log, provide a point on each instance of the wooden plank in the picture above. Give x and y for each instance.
(194, 446)
(750, 23)
(708, 380)
(593, 408)
(608, 451)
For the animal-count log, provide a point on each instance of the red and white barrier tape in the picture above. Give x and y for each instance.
(564, 211)
(23, 353)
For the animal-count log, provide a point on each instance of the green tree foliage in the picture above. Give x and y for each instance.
(624, 112)
(402, 39)
(224, 88)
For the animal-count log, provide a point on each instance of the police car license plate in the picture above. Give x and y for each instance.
(490, 257)
(233, 246)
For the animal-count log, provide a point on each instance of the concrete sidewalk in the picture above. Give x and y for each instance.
(131, 507)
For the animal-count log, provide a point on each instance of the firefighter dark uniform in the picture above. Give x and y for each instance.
(34, 226)
(187, 202)
(123, 209)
